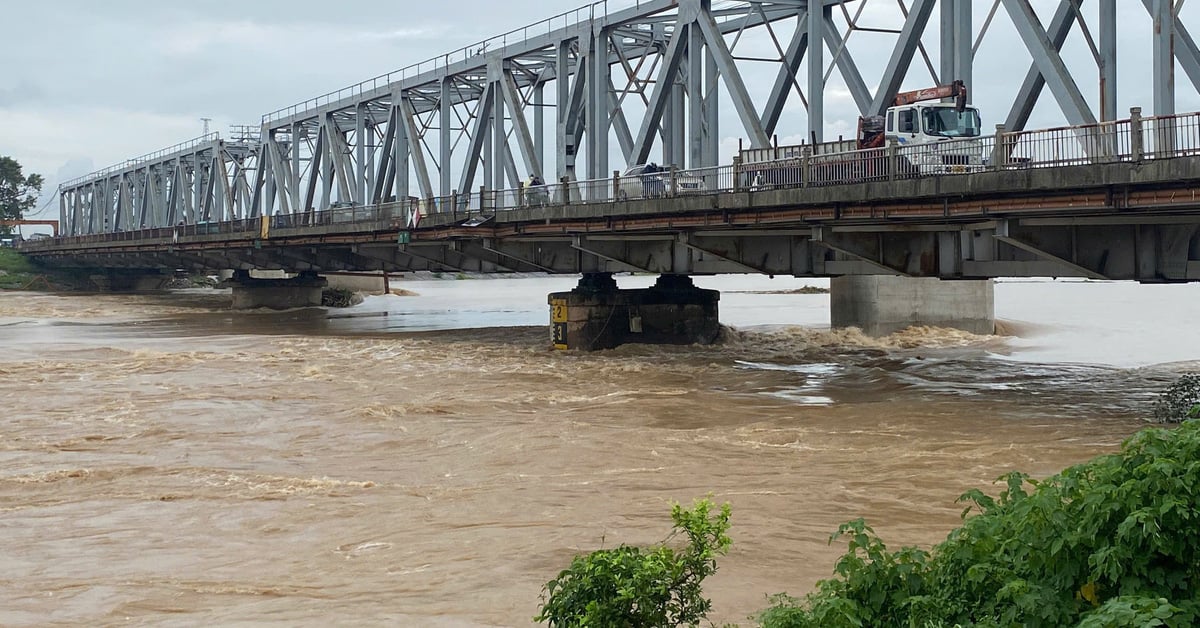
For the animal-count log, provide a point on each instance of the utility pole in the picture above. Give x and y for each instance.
(206, 121)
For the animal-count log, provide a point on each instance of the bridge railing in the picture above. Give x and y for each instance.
(1171, 136)
(1067, 146)
(1130, 140)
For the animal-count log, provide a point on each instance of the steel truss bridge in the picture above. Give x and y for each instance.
(422, 168)
(606, 86)
(1113, 200)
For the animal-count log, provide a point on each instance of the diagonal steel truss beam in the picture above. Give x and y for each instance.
(733, 80)
(1058, 78)
(902, 55)
(667, 75)
(1027, 96)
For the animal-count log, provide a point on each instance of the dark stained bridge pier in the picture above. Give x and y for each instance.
(599, 315)
(277, 293)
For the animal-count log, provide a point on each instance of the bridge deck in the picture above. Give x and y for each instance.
(1093, 220)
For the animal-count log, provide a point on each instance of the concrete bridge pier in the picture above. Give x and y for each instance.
(597, 315)
(882, 304)
(303, 290)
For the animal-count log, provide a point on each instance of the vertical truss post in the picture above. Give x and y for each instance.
(564, 133)
(359, 165)
(445, 115)
(695, 97)
(1108, 60)
(956, 39)
(158, 196)
(675, 120)
(1164, 57)
(816, 72)
(294, 183)
(539, 122)
(499, 129)
(325, 141)
(200, 182)
(368, 167)
(947, 70)
(1185, 47)
(712, 111)
(964, 58)
(598, 114)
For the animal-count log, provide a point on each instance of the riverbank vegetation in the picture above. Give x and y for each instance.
(1107, 543)
(634, 586)
(16, 271)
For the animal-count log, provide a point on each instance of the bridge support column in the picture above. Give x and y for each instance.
(881, 305)
(597, 315)
(303, 290)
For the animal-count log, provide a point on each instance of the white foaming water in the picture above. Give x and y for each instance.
(1119, 324)
(1122, 324)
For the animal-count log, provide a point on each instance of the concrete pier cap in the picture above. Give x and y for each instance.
(598, 315)
(883, 304)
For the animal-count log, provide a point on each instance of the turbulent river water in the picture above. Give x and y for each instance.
(427, 460)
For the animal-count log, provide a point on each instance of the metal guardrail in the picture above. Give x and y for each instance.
(1133, 140)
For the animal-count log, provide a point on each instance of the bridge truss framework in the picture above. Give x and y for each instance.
(603, 87)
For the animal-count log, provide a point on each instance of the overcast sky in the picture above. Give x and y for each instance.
(89, 83)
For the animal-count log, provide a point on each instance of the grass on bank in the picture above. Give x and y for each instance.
(16, 271)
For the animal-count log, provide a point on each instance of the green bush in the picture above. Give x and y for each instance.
(634, 587)
(1180, 402)
(1107, 543)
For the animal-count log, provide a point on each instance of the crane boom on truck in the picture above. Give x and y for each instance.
(956, 90)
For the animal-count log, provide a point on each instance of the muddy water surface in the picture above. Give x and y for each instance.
(165, 461)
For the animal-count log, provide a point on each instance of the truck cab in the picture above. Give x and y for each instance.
(936, 137)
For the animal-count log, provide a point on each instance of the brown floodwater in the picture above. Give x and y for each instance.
(165, 461)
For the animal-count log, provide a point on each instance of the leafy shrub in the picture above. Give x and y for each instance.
(1107, 543)
(1180, 402)
(340, 297)
(642, 587)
